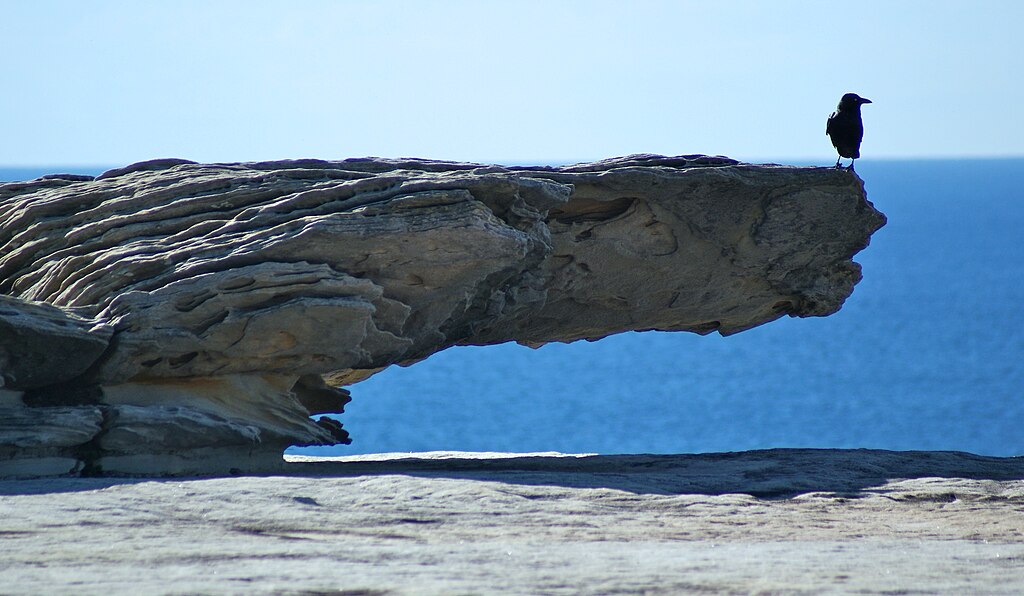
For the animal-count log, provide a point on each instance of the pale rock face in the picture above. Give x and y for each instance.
(780, 521)
(202, 306)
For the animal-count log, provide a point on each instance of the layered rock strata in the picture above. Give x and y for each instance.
(179, 317)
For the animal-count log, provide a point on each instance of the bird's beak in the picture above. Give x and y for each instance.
(865, 100)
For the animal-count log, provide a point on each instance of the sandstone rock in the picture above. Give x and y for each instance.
(226, 294)
(794, 521)
(42, 345)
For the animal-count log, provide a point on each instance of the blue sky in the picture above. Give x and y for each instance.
(110, 83)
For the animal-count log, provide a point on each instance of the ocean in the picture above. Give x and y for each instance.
(928, 353)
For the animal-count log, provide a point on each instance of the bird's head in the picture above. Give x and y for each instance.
(852, 101)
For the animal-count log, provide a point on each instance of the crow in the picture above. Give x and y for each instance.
(845, 127)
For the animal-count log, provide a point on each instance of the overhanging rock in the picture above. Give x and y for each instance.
(205, 305)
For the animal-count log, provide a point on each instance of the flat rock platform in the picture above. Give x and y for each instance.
(786, 521)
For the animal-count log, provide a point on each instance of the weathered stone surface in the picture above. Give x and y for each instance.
(42, 345)
(213, 425)
(231, 289)
(763, 522)
(31, 428)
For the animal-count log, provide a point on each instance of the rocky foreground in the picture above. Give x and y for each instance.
(769, 522)
(174, 317)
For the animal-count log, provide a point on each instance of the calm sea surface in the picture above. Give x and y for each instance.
(928, 353)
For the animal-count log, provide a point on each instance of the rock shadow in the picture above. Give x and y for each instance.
(765, 474)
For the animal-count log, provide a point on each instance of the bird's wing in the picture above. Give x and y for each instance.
(828, 126)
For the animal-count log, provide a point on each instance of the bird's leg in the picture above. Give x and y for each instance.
(837, 163)
(851, 165)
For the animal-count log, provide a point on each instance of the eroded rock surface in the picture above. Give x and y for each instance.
(762, 522)
(223, 296)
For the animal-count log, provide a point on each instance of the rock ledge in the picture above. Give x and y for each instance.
(175, 317)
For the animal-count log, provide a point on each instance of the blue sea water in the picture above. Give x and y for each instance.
(928, 353)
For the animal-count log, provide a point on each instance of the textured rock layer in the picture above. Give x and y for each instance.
(192, 297)
(764, 522)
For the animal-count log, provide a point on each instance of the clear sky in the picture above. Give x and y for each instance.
(109, 83)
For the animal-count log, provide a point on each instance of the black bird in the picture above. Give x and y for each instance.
(845, 127)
